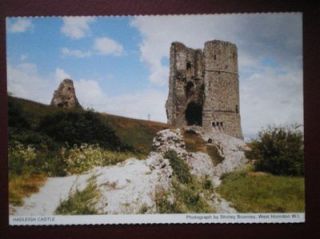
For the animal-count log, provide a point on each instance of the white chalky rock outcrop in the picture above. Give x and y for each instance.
(201, 165)
(131, 187)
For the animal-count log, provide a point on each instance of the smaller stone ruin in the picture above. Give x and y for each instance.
(65, 96)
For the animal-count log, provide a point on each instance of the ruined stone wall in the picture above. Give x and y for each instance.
(65, 96)
(185, 82)
(221, 106)
(204, 87)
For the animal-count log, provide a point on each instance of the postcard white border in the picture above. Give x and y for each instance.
(158, 219)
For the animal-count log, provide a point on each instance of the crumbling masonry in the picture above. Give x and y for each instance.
(65, 96)
(204, 87)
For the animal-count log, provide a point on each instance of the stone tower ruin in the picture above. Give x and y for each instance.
(204, 87)
(65, 96)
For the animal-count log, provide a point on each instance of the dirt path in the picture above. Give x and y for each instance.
(47, 199)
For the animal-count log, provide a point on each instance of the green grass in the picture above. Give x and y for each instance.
(21, 186)
(81, 202)
(188, 198)
(179, 167)
(190, 195)
(138, 133)
(262, 192)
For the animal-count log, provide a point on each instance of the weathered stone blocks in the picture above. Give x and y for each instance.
(204, 87)
(65, 96)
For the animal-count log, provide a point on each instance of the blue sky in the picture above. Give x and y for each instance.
(120, 64)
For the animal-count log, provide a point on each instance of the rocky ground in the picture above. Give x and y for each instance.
(130, 187)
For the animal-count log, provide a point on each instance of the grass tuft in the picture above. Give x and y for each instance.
(189, 194)
(81, 202)
(179, 166)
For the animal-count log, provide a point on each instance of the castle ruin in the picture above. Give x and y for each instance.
(204, 87)
(65, 96)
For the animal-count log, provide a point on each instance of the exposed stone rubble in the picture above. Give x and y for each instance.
(65, 96)
(230, 148)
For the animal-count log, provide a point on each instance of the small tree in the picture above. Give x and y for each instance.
(279, 150)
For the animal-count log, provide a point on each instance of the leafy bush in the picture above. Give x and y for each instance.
(30, 137)
(77, 127)
(279, 151)
(82, 158)
(180, 168)
(51, 163)
(20, 158)
(16, 116)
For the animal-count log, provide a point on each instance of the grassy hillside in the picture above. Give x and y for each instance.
(134, 132)
(138, 133)
(49, 141)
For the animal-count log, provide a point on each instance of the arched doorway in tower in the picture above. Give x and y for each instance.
(193, 114)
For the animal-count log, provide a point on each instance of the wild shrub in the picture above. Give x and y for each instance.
(81, 202)
(180, 167)
(278, 150)
(77, 127)
(16, 116)
(20, 158)
(190, 195)
(84, 157)
(30, 137)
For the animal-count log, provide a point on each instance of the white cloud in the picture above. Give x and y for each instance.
(76, 27)
(76, 53)
(89, 93)
(101, 46)
(60, 75)
(107, 46)
(25, 81)
(20, 25)
(269, 98)
(134, 105)
(139, 105)
(257, 35)
(268, 94)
